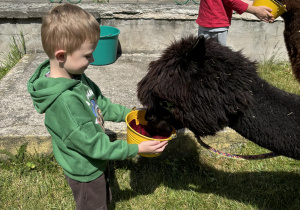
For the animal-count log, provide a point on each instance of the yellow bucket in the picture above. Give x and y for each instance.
(277, 7)
(133, 137)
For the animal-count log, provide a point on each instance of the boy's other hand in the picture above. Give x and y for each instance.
(152, 147)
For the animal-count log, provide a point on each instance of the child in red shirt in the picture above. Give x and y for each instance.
(214, 17)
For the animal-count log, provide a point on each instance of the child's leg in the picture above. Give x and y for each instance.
(221, 36)
(90, 195)
(206, 34)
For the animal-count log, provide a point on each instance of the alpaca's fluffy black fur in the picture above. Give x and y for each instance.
(204, 86)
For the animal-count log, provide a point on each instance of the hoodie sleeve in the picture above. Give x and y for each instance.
(97, 145)
(111, 111)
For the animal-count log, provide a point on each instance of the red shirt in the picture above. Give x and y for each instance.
(218, 13)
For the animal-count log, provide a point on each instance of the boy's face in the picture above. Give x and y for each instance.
(77, 62)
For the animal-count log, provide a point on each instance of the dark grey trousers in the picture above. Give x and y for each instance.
(94, 195)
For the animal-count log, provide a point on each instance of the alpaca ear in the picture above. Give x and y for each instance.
(198, 50)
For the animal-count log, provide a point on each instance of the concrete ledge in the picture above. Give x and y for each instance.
(147, 28)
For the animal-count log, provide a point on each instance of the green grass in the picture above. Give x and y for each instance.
(185, 176)
(17, 49)
(188, 177)
(32, 181)
(280, 75)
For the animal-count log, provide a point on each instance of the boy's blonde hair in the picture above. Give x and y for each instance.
(67, 27)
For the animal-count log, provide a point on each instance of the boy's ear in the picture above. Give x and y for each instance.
(60, 56)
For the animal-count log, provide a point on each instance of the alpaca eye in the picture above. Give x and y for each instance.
(165, 104)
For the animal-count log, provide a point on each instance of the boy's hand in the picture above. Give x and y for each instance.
(152, 147)
(261, 12)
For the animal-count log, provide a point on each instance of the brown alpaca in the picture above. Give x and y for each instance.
(292, 33)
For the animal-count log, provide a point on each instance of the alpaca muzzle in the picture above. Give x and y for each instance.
(167, 105)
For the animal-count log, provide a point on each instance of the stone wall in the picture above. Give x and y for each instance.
(147, 28)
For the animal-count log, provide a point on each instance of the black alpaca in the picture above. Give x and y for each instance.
(204, 86)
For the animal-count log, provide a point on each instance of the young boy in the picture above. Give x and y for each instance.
(214, 17)
(74, 107)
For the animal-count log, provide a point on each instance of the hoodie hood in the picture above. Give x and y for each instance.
(45, 90)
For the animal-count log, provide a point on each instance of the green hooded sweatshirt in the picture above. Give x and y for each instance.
(75, 111)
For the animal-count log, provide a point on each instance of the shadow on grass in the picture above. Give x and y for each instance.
(181, 167)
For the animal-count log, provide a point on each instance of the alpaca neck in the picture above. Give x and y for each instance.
(273, 121)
